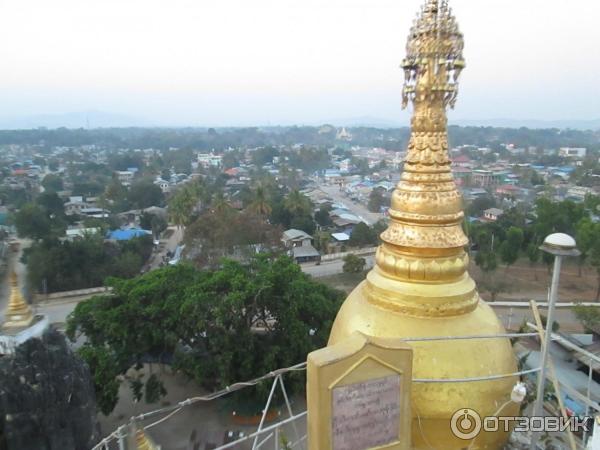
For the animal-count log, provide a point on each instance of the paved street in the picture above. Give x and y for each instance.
(168, 245)
(357, 209)
(334, 267)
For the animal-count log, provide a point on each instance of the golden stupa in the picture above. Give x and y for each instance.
(420, 286)
(141, 441)
(18, 314)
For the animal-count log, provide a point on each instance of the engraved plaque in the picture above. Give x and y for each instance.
(367, 414)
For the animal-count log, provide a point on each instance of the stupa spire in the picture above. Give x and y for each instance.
(18, 313)
(425, 240)
(420, 286)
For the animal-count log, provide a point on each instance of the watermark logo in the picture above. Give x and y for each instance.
(466, 424)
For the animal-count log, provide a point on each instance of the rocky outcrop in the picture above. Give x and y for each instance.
(47, 399)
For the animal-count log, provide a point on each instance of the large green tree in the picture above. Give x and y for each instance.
(511, 247)
(220, 326)
(144, 194)
(52, 182)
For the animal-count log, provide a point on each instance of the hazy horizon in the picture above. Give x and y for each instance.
(282, 62)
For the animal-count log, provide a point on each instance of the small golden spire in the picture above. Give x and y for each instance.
(142, 442)
(18, 313)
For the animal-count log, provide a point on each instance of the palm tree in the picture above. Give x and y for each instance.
(220, 205)
(297, 203)
(260, 203)
(181, 205)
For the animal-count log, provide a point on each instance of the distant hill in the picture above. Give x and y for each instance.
(100, 119)
(498, 123)
(530, 123)
(82, 119)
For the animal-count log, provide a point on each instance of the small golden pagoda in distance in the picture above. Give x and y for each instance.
(18, 314)
(420, 286)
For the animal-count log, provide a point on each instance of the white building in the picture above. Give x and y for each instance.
(125, 177)
(492, 214)
(572, 152)
(207, 160)
(578, 192)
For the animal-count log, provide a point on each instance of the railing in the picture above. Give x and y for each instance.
(360, 251)
(276, 436)
(270, 436)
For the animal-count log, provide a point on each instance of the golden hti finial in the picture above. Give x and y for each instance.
(434, 60)
(18, 313)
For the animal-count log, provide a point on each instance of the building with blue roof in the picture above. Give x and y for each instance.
(126, 235)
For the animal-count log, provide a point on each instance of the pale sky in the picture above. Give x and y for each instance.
(256, 62)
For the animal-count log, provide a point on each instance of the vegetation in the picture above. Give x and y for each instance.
(518, 233)
(353, 264)
(218, 326)
(41, 219)
(55, 265)
(589, 316)
(364, 235)
(376, 201)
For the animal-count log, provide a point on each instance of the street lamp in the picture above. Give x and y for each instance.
(559, 245)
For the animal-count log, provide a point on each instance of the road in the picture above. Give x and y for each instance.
(334, 267)
(166, 245)
(357, 209)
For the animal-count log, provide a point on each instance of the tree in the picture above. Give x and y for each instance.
(304, 223)
(32, 221)
(353, 264)
(486, 261)
(510, 248)
(363, 235)
(219, 326)
(533, 254)
(227, 233)
(589, 316)
(480, 204)
(322, 217)
(155, 222)
(260, 203)
(47, 398)
(595, 262)
(55, 265)
(181, 205)
(376, 201)
(586, 234)
(51, 203)
(494, 285)
(52, 182)
(298, 204)
(144, 194)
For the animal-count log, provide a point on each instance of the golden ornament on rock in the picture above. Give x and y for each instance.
(420, 286)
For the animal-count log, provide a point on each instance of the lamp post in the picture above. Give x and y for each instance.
(559, 245)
